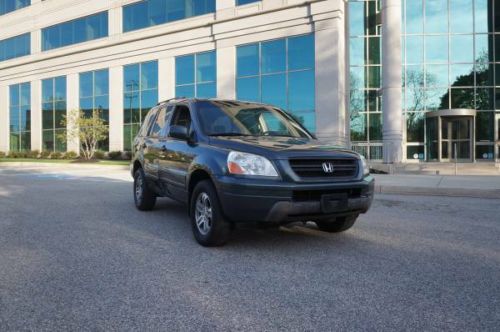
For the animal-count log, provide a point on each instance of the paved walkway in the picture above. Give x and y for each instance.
(443, 185)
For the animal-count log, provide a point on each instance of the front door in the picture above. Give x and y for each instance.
(456, 138)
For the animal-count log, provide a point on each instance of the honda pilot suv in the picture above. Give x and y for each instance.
(235, 162)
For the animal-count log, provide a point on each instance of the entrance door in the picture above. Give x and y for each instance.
(456, 138)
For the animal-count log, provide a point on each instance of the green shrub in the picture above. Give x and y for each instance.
(70, 155)
(99, 155)
(2, 154)
(115, 155)
(17, 154)
(44, 155)
(33, 154)
(56, 155)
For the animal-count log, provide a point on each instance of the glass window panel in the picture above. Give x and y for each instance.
(357, 18)
(301, 52)
(485, 126)
(414, 16)
(206, 90)
(461, 48)
(375, 129)
(436, 76)
(374, 79)
(149, 99)
(357, 48)
(484, 48)
(483, 21)
(101, 78)
(461, 16)
(484, 99)
(359, 127)
(461, 75)
(149, 75)
(87, 105)
(248, 60)
(373, 101)
(14, 119)
(184, 70)
(436, 16)
(485, 152)
(185, 91)
(135, 16)
(415, 152)
(26, 118)
(274, 90)
(15, 47)
(131, 77)
(273, 56)
(131, 105)
(484, 75)
(357, 101)
(47, 90)
(248, 89)
(307, 119)
(47, 117)
(436, 49)
(497, 47)
(206, 67)
(25, 94)
(301, 91)
(436, 99)
(374, 51)
(14, 95)
(414, 49)
(357, 78)
(59, 118)
(462, 98)
(60, 88)
(60, 142)
(415, 126)
(86, 85)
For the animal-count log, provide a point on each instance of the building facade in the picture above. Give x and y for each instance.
(397, 80)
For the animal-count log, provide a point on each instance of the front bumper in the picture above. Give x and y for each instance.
(253, 200)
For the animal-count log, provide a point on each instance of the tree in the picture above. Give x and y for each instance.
(88, 130)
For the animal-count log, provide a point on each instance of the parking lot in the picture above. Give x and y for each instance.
(75, 254)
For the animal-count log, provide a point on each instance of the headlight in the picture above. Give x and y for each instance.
(366, 167)
(249, 164)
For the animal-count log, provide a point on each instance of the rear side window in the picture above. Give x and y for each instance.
(161, 122)
(182, 117)
(147, 122)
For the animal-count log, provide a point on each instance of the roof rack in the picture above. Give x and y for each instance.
(169, 100)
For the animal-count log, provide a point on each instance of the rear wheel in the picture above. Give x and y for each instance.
(209, 226)
(340, 224)
(144, 198)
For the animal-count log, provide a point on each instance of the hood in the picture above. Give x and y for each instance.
(281, 147)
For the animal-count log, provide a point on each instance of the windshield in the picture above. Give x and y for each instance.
(221, 118)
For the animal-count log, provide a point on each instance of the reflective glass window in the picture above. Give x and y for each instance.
(461, 20)
(148, 13)
(53, 114)
(414, 17)
(461, 48)
(76, 31)
(196, 75)
(140, 94)
(20, 117)
(281, 73)
(482, 16)
(436, 49)
(7, 6)
(436, 16)
(15, 47)
(357, 18)
(94, 95)
(414, 49)
(244, 2)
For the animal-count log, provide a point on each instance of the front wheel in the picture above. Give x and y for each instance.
(210, 228)
(144, 198)
(340, 224)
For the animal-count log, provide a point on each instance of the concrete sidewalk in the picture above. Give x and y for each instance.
(440, 185)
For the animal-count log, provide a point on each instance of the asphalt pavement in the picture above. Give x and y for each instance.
(76, 255)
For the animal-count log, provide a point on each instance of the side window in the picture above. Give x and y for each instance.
(147, 122)
(181, 117)
(157, 129)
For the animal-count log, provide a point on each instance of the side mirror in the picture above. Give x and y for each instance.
(179, 132)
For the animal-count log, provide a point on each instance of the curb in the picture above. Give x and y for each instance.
(68, 165)
(449, 192)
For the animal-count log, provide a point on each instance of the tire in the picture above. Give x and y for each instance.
(144, 198)
(340, 224)
(210, 228)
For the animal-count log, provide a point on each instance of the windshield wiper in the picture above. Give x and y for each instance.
(229, 134)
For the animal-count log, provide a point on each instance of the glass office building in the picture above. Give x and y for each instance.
(396, 80)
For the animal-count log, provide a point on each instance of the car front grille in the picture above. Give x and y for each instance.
(343, 168)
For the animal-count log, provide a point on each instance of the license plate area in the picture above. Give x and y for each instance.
(334, 203)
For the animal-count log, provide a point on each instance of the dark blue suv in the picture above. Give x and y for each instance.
(237, 162)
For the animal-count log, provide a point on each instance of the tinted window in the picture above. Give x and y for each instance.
(7, 6)
(195, 75)
(15, 47)
(160, 122)
(148, 13)
(20, 117)
(181, 117)
(76, 31)
(53, 113)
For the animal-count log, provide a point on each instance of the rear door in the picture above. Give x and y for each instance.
(153, 150)
(144, 144)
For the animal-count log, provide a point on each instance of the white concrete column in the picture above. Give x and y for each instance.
(36, 41)
(72, 106)
(115, 18)
(166, 78)
(4, 118)
(391, 81)
(226, 72)
(36, 115)
(224, 8)
(116, 109)
(331, 112)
